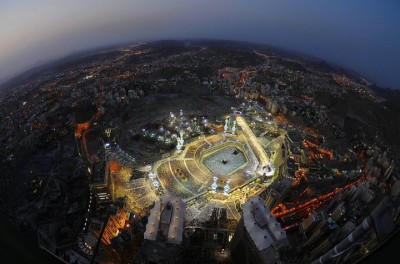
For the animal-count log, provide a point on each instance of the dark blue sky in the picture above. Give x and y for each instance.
(363, 35)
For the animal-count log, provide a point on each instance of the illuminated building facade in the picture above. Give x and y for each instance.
(116, 222)
(165, 222)
(258, 237)
(102, 181)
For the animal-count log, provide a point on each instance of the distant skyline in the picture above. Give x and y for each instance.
(361, 35)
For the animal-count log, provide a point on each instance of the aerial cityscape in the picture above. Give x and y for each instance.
(197, 151)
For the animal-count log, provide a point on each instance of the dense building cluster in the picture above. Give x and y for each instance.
(203, 152)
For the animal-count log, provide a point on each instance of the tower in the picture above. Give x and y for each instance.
(258, 237)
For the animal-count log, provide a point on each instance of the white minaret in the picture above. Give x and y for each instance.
(214, 185)
(180, 140)
(226, 125)
(234, 127)
(227, 188)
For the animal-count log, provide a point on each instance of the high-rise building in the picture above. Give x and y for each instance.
(276, 192)
(338, 212)
(320, 230)
(165, 223)
(164, 231)
(102, 181)
(395, 191)
(307, 224)
(116, 222)
(258, 236)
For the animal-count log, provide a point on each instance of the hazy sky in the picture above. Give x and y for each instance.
(363, 35)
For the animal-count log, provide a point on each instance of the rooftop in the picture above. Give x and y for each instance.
(167, 216)
(261, 225)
